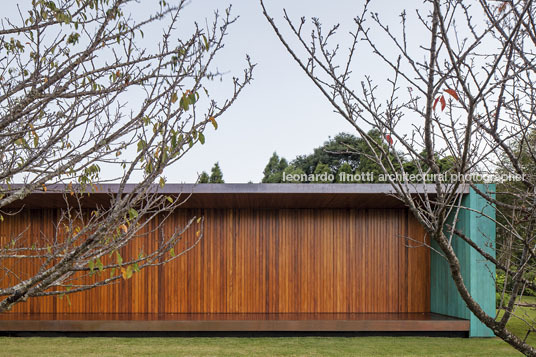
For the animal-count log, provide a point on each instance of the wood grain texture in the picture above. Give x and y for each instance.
(259, 261)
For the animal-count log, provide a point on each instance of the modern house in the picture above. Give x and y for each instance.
(278, 257)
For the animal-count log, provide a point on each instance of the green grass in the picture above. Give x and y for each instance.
(516, 324)
(269, 346)
(263, 346)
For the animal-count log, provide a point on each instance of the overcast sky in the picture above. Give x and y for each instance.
(281, 110)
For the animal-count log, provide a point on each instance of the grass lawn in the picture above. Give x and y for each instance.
(262, 346)
(268, 346)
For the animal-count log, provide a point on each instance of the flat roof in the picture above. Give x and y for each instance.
(246, 195)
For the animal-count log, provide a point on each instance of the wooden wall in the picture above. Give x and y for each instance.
(262, 261)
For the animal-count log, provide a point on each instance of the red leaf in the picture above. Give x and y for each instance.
(435, 102)
(389, 139)
(443, 103)
(503, 6)
(453, 93)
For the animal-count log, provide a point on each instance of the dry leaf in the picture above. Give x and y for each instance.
(435, 102)
(123, 228)
(453, 93)
(443, 102)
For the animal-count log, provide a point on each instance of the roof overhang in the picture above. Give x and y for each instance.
(268, 196)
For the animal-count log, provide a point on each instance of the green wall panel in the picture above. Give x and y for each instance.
(477, 222)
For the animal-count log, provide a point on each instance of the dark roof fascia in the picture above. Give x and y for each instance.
(259, 188)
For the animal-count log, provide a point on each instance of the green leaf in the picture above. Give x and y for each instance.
(149, 168)
(162, 182)
(172, 252)
(202, 138)
(132, 213)
(91, 265)
(184, 103)
(129, 272)
(169, 199)
(192, 98)
(119, 259)
(141, 145)
(100, 265)
(73, 38)
(206, 42)
(174, 97)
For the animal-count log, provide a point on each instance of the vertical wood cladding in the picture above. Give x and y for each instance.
(259, 261)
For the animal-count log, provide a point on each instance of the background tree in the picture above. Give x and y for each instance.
(80, 94)
(290, 172)
(513, 195)
(321, 173)
(348, 153)
(462, 89)
(334, 153)
(216, 175)
(204, 177)
(343, 173)
(273, 172)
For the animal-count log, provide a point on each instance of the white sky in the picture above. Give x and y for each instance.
(281, 110)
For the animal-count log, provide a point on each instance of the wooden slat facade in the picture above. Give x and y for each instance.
(257, 261)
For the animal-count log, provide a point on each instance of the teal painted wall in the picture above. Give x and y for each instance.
(478, 274)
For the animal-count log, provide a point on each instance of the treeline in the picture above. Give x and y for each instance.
(216, 175)
(342, 159)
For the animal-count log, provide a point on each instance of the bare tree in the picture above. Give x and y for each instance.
(461, 89)
(80, 94)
